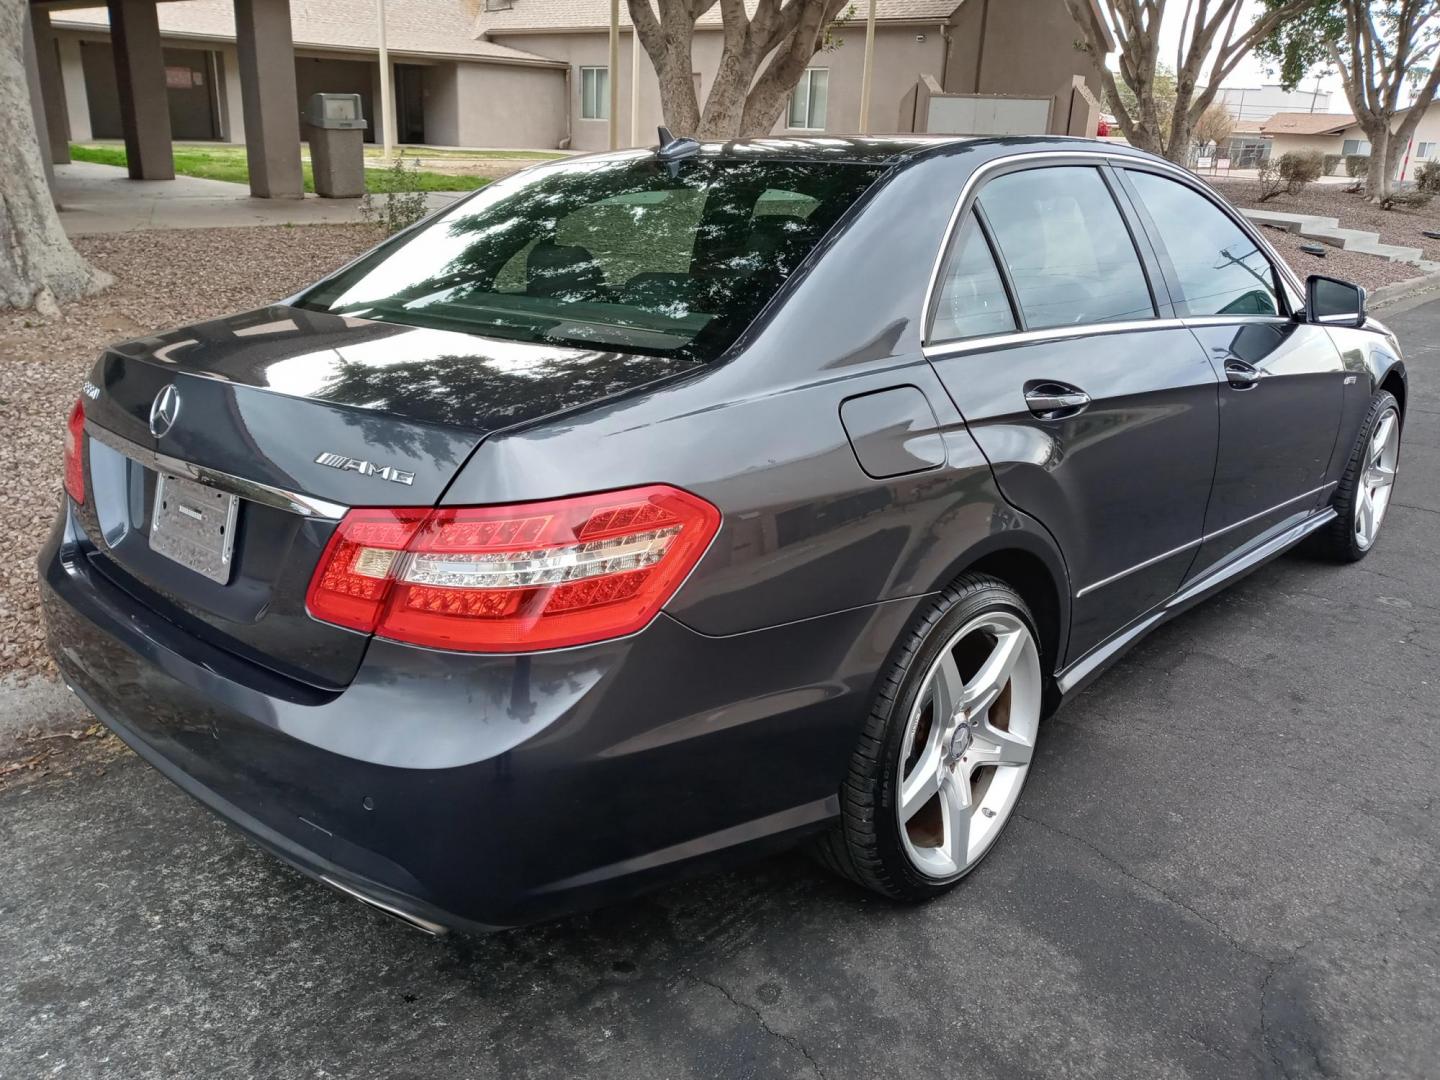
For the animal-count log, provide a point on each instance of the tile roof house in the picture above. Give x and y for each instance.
(534, 73)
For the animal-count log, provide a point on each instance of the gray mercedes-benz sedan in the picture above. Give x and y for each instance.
(646, 511)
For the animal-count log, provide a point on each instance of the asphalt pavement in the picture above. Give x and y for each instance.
(1225, 865)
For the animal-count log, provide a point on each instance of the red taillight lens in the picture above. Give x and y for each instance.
(513, 578)
(75, 452)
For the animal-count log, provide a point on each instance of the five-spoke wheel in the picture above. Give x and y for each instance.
(947, 747)
(968, 744)
(1382, 458)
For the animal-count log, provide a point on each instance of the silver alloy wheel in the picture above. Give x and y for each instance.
(968, 744)
(1372, 498)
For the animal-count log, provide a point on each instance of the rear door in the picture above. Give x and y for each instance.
(1095, 407)
(1282, 385)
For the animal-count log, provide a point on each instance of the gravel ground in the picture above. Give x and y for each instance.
(1398, 226)
(166, 278)
(1367, 270)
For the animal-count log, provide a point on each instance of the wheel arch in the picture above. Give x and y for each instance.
(1030, 564)
(1396, 383)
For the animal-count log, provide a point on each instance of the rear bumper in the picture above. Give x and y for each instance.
(487, 791)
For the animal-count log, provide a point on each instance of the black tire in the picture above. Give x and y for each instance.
(865, 845)
(1337, 541)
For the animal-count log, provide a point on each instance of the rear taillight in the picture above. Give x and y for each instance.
(75, 452)
(512, 578)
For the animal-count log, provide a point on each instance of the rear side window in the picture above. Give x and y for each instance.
(1067, 248)
(1220, 270)
(972, 295)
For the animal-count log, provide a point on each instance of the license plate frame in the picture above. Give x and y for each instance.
(194, 525)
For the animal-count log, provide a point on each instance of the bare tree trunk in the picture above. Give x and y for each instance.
(38, 267)
(1377, 177)
(669, 39)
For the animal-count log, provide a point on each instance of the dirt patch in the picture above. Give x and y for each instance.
(1399, 226)
(37, 755)
(166, 278)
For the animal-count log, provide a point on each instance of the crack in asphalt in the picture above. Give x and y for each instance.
(788, 1040)
(1152, 887)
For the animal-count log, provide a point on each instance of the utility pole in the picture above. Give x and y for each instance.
(613, 74)
(387, 88)
(869, 70)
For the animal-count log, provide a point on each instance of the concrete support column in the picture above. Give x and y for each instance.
(266, 56)
(140, 77)
(52, 86)
(77, 101)
(37, 100)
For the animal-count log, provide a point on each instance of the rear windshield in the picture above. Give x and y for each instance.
(633, 255)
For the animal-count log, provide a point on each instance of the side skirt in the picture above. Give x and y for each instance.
(1079, 674)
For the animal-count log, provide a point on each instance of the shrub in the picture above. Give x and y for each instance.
(1301, 167)
(401, 205)
(1332, 163)
(1290, 173)
(1357, 166)
(1427, 177)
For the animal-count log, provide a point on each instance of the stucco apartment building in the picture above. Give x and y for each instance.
(1339, 133)
(534, 73)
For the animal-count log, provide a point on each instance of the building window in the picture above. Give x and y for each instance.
(1356, 146)
(1425, 151)
(807, 104)
(594, 93)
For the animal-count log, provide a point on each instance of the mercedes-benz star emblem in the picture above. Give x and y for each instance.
(164, 410)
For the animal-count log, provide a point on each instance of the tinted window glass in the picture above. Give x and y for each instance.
(972, 295)
(1221, 271)
(1067, 248)
(622, 254)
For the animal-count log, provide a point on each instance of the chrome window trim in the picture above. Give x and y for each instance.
(1092, 158)
(251, 490)
(1053, 333)
(1205, 539)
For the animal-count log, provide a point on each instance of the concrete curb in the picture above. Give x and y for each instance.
(1388, 295)
(38, 705)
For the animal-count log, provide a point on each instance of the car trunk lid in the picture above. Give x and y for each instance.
(298, 415)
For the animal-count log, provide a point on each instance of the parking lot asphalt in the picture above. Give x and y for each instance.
(1225, 865)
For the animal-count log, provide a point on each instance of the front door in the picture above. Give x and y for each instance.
(1098, 417)
(1282, 379)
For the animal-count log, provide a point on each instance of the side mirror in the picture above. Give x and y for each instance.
(1334, 302)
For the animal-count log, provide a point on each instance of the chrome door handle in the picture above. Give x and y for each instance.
(1240, 375)
(1052, 401)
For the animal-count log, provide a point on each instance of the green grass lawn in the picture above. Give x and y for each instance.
(228, 163)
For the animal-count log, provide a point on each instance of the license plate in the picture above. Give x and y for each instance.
(194, 525)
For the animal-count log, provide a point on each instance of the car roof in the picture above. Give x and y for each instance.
(880, 149)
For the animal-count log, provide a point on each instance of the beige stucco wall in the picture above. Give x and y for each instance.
(504, 105)
(1284, 144)
(900, 59)
(1028, 49)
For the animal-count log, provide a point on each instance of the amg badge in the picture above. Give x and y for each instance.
(365, 468)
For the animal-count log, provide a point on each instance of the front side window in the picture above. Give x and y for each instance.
(1356, 146)
(594, 93)
(1066, 246)
(1219, 268)
(972, 299)
(624, 254)
(807, 104)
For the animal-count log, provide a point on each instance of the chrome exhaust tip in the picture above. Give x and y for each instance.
(415, 922)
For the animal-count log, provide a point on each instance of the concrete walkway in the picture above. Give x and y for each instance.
(103, 199)
(1327, 230)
